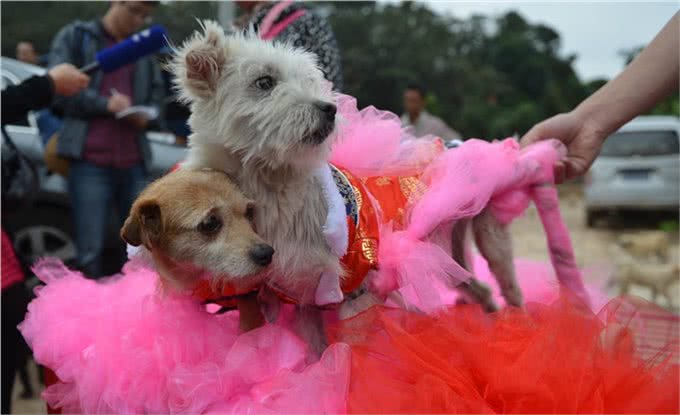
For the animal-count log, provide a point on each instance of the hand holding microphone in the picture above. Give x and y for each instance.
(67, 80)
(137, 46)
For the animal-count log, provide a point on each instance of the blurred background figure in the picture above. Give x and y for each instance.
(299, 25)
(26, 53)
(422, 122)
(109, 156)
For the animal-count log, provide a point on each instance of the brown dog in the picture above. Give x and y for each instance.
(197, 226)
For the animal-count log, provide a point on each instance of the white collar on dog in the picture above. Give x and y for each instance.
(335, 228)
(336, 233)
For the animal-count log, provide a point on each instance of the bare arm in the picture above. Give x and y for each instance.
(652, 76)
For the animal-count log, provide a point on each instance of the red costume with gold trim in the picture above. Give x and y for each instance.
(391, 193)
(125, 347)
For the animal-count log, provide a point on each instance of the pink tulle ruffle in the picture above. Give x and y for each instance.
(119, 346)
(372, 142)
(122, 346)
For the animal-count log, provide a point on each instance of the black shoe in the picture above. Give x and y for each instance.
(27, 395)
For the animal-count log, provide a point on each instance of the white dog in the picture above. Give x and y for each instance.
(648, 245)
(264, 114)
(631, 271)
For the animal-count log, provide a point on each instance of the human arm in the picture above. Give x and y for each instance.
(66, 47)
(38, 91)
(652, 76)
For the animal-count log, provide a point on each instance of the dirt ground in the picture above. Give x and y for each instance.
(591, 248)
(591, 245)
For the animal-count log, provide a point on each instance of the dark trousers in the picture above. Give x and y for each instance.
(94, 192)
(14, 349)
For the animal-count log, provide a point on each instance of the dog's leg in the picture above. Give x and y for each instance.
(310, 326)
(655, 292)
(250, 316)
(460, 243)
(495, 244)
(668, 292)
(363, 302)
(473, 291)
(270, 304)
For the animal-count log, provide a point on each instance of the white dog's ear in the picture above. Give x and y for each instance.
(199, 63)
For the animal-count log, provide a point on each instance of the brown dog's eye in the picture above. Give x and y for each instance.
(250, 212)
(210, 225)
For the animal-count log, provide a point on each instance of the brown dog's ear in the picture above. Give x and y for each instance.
(143, 226)
(131, 232)
(200, 61)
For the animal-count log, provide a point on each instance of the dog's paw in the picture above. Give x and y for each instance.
(351, 308)
(513, 296)
(474, 291)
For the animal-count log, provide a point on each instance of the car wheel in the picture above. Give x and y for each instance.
(43, 231)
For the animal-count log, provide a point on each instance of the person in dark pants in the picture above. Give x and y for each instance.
(14, 302)
(17, 100)
(109, 157)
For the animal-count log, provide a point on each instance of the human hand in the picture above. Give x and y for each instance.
(582, 139)
(118, 102)
(67, 79)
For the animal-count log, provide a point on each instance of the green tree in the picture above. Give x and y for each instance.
(489, 77)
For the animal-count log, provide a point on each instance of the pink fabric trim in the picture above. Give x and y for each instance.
(278, 28)
(272, 15)
(559, 242)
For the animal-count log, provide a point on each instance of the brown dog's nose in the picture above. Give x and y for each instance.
(262, 254)
(328, 109)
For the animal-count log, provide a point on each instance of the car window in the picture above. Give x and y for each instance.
(641, 143)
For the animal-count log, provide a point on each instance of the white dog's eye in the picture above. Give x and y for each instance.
(210, 225)
(265, 83)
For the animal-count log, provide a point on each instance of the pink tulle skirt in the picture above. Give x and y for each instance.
(556, 358)
(121, 346)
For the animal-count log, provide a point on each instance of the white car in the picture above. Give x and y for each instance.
(637, 169)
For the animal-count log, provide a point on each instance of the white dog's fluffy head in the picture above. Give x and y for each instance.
(268, 104)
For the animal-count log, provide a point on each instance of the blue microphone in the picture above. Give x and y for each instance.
(135, 47)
